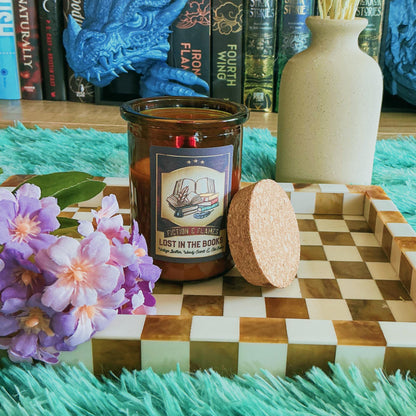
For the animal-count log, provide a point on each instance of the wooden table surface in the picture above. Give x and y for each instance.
(56, 114)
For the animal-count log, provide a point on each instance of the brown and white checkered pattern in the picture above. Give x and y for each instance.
(350, 303)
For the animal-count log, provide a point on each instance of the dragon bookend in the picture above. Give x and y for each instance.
(121, 35)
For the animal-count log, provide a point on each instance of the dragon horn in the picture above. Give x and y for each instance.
(170, 13)
(156, 55)
(73, 29)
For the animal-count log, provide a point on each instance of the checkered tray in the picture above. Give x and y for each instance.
(350, 303)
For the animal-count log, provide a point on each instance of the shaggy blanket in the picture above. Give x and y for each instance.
(40, 151)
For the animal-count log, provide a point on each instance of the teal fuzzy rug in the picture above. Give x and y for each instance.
(38, 151)
(64, 390)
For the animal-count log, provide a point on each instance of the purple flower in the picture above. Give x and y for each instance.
(89, 319)
(144, 266)
(19, 274)
(139, 306)
(26, 220)
(26, 330)
(55, 293)
(80, 270)
(140, 277)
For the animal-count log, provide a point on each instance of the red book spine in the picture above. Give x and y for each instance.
(28, 51)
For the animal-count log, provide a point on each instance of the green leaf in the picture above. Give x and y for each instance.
(52, 183)
(67, 222)
(68, 227)
(78, 193)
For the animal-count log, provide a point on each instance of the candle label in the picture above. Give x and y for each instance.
(190, 193)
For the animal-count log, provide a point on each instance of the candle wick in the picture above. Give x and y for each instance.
(185, 141)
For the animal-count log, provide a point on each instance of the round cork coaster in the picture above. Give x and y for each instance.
(263, 234)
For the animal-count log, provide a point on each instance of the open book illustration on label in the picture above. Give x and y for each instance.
(193, 197)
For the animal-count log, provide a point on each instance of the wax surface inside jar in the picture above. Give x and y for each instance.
(186, 113)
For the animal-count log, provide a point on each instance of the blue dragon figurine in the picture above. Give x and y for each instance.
(121, 35)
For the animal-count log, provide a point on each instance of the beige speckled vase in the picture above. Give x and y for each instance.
(329, 108)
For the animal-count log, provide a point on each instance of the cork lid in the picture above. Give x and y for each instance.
(263, 234)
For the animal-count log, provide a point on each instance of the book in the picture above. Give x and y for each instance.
(190, 40)
(227, 49)
(209, 196)
(209, 203)
(203, 208)
(78, 88)
(121, 89)
(384, 32)
(9, 73)
(185, 211)
(293, 34)
(370, 38)
(28, 49)
(193, 197)
(260, 47)
(52, 49)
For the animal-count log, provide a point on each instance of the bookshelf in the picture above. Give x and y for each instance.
(120, 89)
(57, 114)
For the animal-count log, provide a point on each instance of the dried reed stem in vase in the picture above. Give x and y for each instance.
(338, 9)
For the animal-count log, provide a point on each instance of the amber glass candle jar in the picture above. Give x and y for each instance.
(185, 166)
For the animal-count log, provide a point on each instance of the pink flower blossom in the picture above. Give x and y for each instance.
(109, 208)
(113, 228)
(80, 270)
(107, 221)
(93, 318)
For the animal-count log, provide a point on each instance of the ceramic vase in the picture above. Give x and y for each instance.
(329, 108)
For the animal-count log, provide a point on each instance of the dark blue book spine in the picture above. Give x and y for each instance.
(9, 72)
(227, 49)
(79, 89)
(293, 34)
(52, 49)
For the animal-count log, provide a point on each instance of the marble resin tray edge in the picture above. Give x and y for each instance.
(233, 345)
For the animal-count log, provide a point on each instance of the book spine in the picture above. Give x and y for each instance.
(79, 89)
(370, 38)
(190, 40)
(28, 49)
(52, 50)
(260, 46)
(293, 34)
(9, 73)
(384, 31)
(227, 49)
